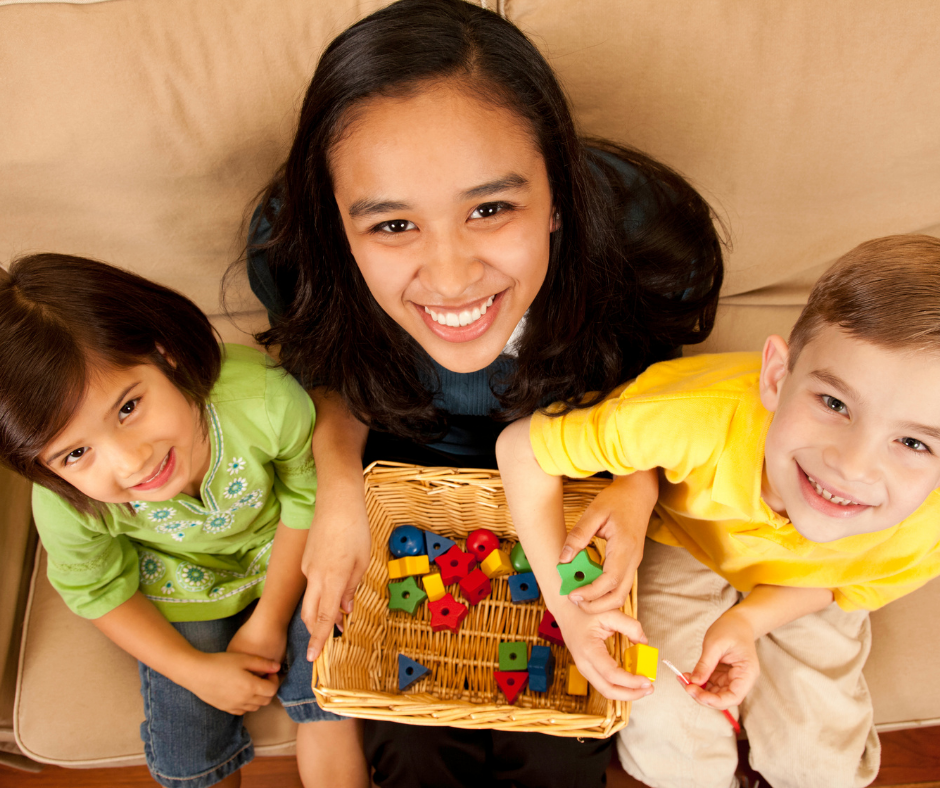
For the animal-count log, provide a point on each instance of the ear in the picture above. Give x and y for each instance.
(773, 371)
(555, 222)
(162, 352)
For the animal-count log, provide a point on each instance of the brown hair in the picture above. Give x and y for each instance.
(885, 291)
(62, 318)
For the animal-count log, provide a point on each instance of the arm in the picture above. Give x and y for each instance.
(337, 549)
(264, 634)
(619, 514)
(728, 667)
(230, 682)
(535, 500)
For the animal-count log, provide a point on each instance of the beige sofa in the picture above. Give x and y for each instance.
(137, 131)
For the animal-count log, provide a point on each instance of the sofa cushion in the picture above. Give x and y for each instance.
(78, 697)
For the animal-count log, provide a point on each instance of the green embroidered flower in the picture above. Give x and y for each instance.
(221, 521)
(236, 465)
(252, 500)
(194, 578)
(167, 588)
(217, 591)
(138, 506)
(162, 514)
(151, 568)
(236, 487)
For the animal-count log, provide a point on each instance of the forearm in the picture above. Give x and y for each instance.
(768, 607)
(142, 631)
(339, 439)
(285, 581)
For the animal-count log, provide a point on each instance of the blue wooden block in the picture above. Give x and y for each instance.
(409, 672)
(524, 587)
(541, 669)
(437, 544)
(406, 540)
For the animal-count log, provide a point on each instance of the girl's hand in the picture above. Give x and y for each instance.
(585, 635)
(728, 666)
(335, 559)
(234, 683)
(620, 515)
(262, 637)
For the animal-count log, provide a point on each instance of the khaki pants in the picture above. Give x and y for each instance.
(808, 718)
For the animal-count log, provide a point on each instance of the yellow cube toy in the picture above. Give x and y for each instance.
(577, 684)
(641, 660)
(409, 565)
(434, 587)
(497, 564)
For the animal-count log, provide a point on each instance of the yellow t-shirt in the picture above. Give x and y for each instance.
(700, 421)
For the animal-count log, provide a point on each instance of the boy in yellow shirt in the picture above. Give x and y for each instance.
(797, 491)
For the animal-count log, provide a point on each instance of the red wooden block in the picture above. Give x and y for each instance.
(446, 613)
(511, 682)
(455, 565)
(482, 542)
(475, 587)
(548, 629)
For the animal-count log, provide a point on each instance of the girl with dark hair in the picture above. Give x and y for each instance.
(174, 490)
(441, 254)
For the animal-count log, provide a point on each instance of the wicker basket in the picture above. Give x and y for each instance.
(357, 674)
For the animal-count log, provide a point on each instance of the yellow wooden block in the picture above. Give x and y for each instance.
(409, 565)
(641, 660)
(396, 569)
(594, 555)
(434, 587)
(577, 684)
(497, 564)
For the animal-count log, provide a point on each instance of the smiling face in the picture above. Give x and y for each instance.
(854, 446)
(446, 204)
(134, 437)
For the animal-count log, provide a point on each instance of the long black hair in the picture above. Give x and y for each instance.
(618, 295)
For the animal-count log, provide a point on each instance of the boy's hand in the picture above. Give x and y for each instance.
(335, 559)
(261, 637)
(234, 683)
(619, 514)
(728, 666)
(585, 635)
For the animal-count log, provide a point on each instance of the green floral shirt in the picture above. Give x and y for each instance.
(206, 558)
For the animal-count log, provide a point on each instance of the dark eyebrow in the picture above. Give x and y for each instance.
(367, 207)
(117, 404)
(824, 376)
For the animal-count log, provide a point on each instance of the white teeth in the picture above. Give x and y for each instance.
(464, 318)
(828, 495)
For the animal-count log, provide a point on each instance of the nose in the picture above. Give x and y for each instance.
(451, 267)
(129, 455)
(854, 458)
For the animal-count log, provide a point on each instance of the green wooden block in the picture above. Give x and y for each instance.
(513, 656)
(406, 595)
(579, 572)
(519, 562)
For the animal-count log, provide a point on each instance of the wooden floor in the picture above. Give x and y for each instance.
(910, 759)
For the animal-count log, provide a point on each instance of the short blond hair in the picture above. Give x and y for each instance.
(885, 291)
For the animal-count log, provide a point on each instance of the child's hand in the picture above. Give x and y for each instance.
(261, 637)
(234, 683)
(728, 666)
(335, 559)
(619, 514)
(585, 635)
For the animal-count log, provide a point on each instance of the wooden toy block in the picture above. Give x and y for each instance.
(519, 562)
(409, 565)
(549, 629)
(513, 656)
(581, 571)
(446, 613)
(523, 588)
(406, 540)
(482, 542)
(475, 587)
(541, 669)
(496, 564)
(641, 660)
(593, 554)
(406, 596)
(409, 672)
(511, 683)
(577, 684)
(437, 544)
(433, 586)
(455, 565)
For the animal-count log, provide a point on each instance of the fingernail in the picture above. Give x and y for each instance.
(311, 655)
(567, 554)
(349, 607)
(648, 692)
(576, 599)
(646, 684)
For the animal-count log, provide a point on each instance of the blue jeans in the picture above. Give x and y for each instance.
(190, 743)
